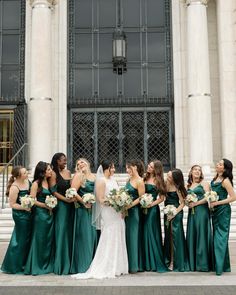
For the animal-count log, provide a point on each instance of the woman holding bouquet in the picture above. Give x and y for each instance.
(41, 254)
(18, 249)
(222, 184)
(84, 235)
(64, 214)
(152, 237)
(199, 240)
(174, 244)
(110, 259)
(136, 188)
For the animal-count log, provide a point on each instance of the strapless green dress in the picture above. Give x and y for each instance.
(152, 238)
(18, 249)
(41, 254)
(85, 237)
(221, 216)
(174, 237)
(64, 222)
(199, 237)
(133, 233)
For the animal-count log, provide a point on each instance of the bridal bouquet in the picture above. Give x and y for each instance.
(211, 196)
(145, 201)
(89, 199)
(27, 202)
(191, 198)
(71, 193)
(119, 200)
(169, 211)
(51, 202)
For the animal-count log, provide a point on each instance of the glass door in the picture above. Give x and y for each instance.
(6, 136)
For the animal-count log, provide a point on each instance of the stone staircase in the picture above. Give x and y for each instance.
(7, 224)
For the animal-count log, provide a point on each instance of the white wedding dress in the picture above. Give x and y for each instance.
(110, 259)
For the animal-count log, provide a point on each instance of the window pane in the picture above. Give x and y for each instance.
(156, 47)
(10, 80)
(131, 12)
(83, 13)
(105, 48)
(11, 14)
(83, 83)
(107, 13)
(155, 13)
(10, 49)
(133, 46)
(132, 82)
(107, 83)
(156, 83)
(83, 45)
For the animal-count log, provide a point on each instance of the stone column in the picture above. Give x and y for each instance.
(227, 70)
(40, 126)
(199, 97)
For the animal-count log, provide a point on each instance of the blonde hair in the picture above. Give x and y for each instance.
(82, 176)
(16, 172)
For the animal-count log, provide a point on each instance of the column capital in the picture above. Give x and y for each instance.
(42, 3)
(194, 2)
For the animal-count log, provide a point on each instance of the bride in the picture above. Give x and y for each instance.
(110, 259)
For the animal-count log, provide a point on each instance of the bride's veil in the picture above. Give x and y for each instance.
(96, 209)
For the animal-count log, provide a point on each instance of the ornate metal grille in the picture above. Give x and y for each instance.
(120, 135)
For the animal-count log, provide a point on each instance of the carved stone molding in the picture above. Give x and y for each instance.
(202, 2)
(43, 3)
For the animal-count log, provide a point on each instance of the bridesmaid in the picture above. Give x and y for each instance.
(41, 254)
(174, 243)
(199, 240)
(222, 184)
(18, 249)
(152, 237)
(85, 235)
(64, 214)
(135, 187)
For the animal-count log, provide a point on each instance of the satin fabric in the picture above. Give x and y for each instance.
(199, 236)
(174, 237)
(85, 237)
(221, 216)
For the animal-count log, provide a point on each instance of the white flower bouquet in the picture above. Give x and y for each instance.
(191, 198)
(211, 196)
(27, 201)
(169, 211)
(89, 198)
(71, 193)
(119, 200)
(145, 201)
(51, 202)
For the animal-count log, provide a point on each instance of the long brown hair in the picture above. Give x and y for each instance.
(15, 173)
(178, 180)
(190, 176)
(158, 175)
(139, 164)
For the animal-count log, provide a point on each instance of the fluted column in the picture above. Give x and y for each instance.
(199, 97)
(40, 126)
(226, 19)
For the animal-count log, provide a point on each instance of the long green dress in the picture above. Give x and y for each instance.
(199, 237)
(85, 235)
(41, 255)
(174, 237)
(152, 238)
(133, 233)
(18, 249)
(221, 216)
(64, 222)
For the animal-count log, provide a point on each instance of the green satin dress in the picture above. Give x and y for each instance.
(174, 237)
(221, 216)
(18, 249)
(199, 237)
(85, 234)
(64, 222)
(41, 255)
(152, 238)
(133, 233)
